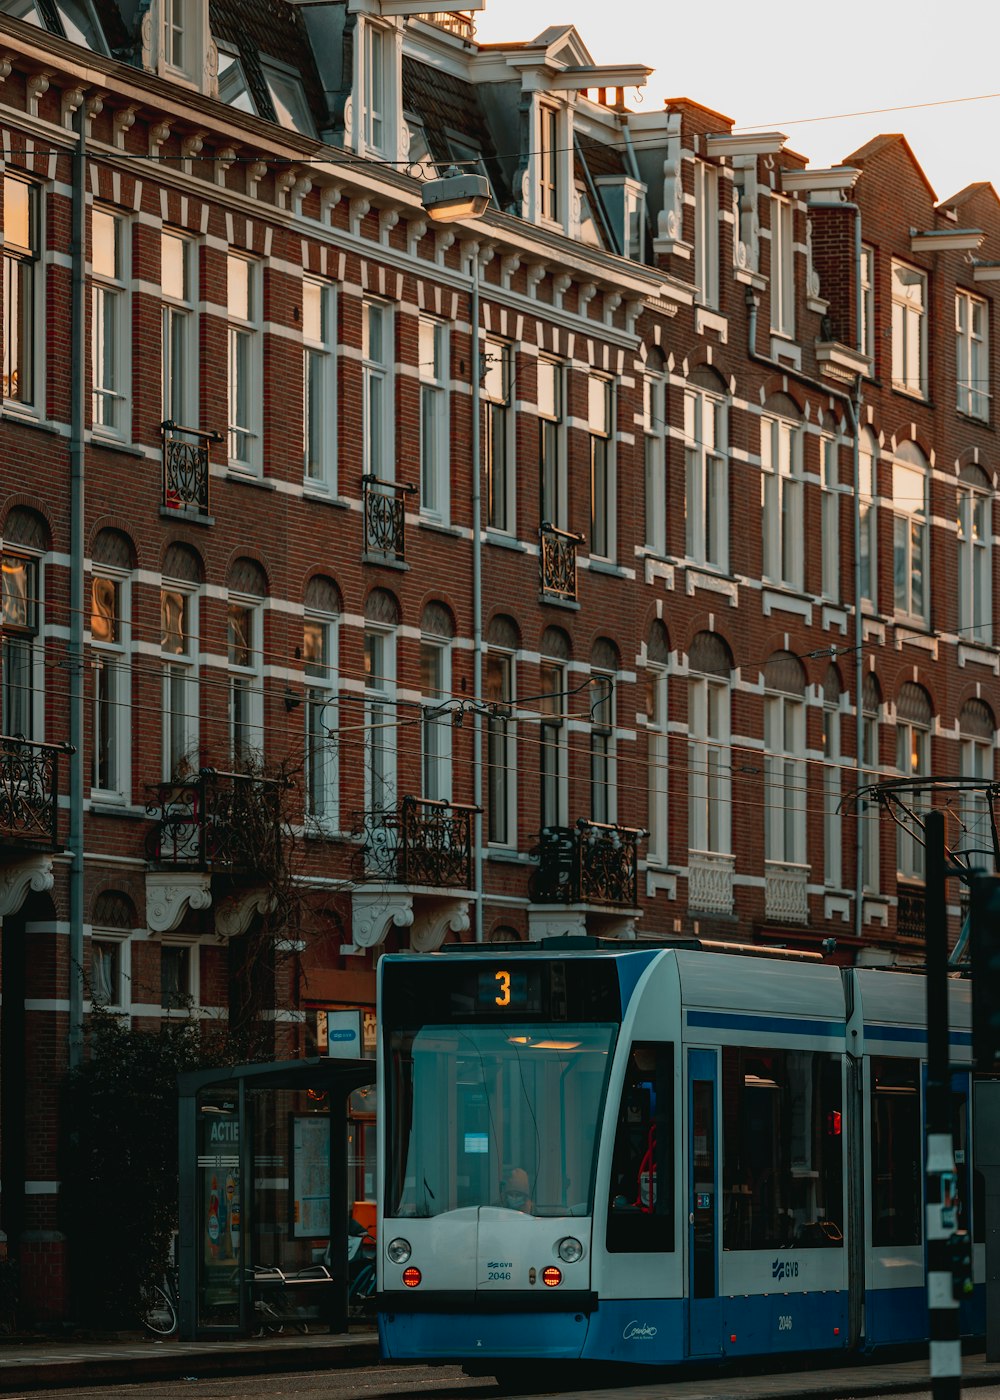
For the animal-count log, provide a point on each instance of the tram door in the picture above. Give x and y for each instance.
(703, 1204)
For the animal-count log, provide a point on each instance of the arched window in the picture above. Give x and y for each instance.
(25, 544)
(247, 591)
(975, 533)
(603, 767)
(709, 688)
(868, 510)
(436, 632)
(913, 760)
(179, 638)
(871, 705)
(381, 623)
(706, 470)
(554, 784)
(320, 642)
(657, 661)
(784, 760)
(781, 492)
(833, 838)
(112, 920)
(977, 729)
(910, 532)
(113, 560)
(501, 740)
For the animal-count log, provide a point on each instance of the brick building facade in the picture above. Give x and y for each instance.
(280, 670)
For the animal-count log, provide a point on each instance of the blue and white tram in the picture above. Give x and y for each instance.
(653, 1155)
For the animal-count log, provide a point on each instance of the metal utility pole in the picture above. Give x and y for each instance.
(942, 1304)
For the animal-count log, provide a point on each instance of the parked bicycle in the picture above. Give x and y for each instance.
(161, 1306)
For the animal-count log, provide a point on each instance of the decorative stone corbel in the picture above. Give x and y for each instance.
(536, 271)
(37, 87)
(191, 147)
(612, 301)
(329, 198)
(387, 221)
(235, 913)
(588, 290)
(224, 161)
(374, 912)
(94, 107)
(415, 230)
(509, 264)
(122, 122)
(284, 180)
(444, 240)
(560, 286)
(158, 133)
(256, 171)
(633, 310)
(171, 893)
(302, 187)
(69, 104)
(434, 919)
(356, 212)
(32, 876)
(6, 65)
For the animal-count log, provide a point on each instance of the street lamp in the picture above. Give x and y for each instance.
(463, 195)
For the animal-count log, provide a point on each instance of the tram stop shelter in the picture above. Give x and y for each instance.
(265, 1194)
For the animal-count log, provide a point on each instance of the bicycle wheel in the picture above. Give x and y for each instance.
(160, 1317)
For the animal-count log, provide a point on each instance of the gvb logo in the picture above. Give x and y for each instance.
(784, 1268)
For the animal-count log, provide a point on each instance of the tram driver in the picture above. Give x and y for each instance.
(515, 1193)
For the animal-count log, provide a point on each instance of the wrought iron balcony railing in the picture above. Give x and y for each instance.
(420, 842)
(590, 863)
(224, 823)
(911, 911)
(29, 793)
(385, 516)
(558, 561)
(185, 467)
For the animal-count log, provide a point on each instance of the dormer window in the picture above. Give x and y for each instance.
(179, 44)
(548, 164)
(72, 19)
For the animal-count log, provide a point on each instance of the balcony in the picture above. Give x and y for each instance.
(29, 794)
(421, 842)
(385, 517)
(786, 897)
(186, 468)
(590, 863)
(220, 823)
(911, 918)
(710, 883)
(558, 562)
(461, 23)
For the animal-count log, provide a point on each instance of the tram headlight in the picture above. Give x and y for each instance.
(570, 1250)
(398, 1250)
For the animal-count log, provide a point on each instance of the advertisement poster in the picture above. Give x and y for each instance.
(221, 1213)
(311, 1177)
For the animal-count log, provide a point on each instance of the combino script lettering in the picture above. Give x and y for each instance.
(641, 1331)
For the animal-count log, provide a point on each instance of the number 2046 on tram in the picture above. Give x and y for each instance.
(656, 1155)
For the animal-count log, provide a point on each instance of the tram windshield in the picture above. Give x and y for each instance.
(496, 1114)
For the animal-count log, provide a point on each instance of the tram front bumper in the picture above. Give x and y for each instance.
(460, 1327)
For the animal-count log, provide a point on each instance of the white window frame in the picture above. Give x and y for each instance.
(833, 834)
(913, 760)
(111, 329)
(975, 579)
(435, 726)
(28, 637)
(245, 368)
(782, 267)
(498, 437)
(868, 509)
(319, 386)
(552, 178)
(829, 452)
(782, 501)
(435, 414)
(380, 719)
(112, 694)
(972, 360)
(553, 751)
(909, 330)
(871, 872)
(976, 759)
(180, 683)
(179, 335)
(121, 998)
(24, 269)
(189, 995)
(501, 741)
(322, 769)
(706, 472)
(601, 409)
(657, 765)
(654, 437)
(603, 748)
(552, 442)
(785, 798)
(378, 89)
(709, 760)
(911, 541)
(866, 331)
(245, 683)
(378, 389)
(706, 233)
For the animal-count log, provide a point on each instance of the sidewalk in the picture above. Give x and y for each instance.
(35, 1365)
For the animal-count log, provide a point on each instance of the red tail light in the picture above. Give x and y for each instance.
(411, 1277)
(551, 1276)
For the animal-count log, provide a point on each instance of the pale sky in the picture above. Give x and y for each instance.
(771, 63)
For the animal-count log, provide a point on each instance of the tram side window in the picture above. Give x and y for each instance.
(641, 1207)
(896, 1152)
(783, 1155)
